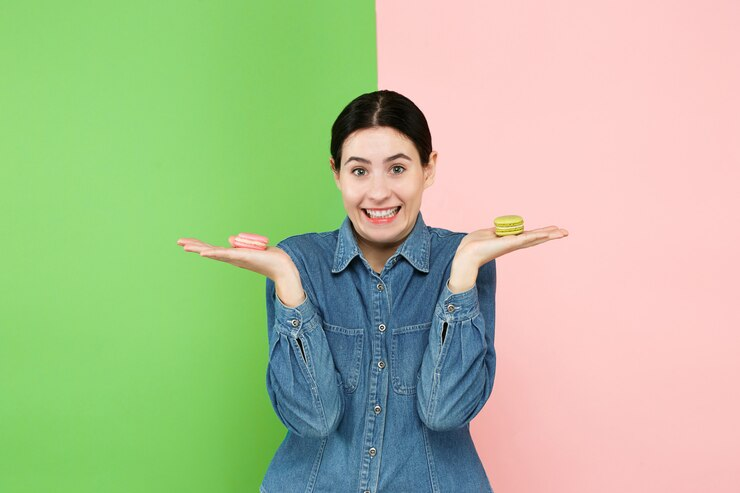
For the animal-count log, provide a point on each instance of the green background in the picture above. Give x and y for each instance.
(127, 364)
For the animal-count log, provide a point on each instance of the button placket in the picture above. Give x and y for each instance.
(380, 319)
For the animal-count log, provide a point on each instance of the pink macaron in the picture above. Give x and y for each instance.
(248, 240)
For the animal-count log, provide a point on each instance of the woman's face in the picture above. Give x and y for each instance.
(381, 179)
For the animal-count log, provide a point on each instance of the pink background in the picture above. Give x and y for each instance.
(619, 121)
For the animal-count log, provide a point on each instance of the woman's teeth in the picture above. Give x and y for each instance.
(378, 213)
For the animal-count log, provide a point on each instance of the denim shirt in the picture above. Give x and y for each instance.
(377, 376)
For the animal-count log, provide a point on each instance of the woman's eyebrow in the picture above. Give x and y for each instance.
(400, 155)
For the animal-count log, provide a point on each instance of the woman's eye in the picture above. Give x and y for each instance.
(398, 170)
(358, 172)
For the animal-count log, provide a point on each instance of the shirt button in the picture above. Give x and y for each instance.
(372, 452)
(381, 327)
(450, 308)
(381, 364)
(366, 491)
(295, 322)
(380, 287)
(377, 409)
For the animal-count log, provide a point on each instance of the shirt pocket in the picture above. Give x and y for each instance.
(346, 349)
(407, 349)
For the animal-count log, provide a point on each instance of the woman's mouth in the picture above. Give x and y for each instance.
(381, 215)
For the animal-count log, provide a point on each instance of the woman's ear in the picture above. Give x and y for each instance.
(430, 169)
(334, 172)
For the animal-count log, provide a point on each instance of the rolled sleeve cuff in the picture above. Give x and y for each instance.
(455, 307)
(294, 322)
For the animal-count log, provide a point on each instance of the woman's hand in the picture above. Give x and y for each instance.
(482, 246)
(271, 262)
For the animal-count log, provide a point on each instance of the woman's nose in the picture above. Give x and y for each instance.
(379, 189)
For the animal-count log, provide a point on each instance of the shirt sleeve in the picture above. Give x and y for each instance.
(302, 381)
(457, 370)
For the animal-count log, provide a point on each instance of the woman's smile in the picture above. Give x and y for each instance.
(382, 216)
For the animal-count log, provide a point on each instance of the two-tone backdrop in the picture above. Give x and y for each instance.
(128, 365)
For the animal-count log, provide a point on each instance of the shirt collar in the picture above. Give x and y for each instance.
(415, 248)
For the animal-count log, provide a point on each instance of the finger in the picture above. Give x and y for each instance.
(541, 241)
(196, 242)
(546, 228)
(231, 241)
(558, 233)
(196, 246)
(183, 241)
(186, 241)
(225, 254)
(213, 253)
(533, 235)
(551, 232)
(539, 238)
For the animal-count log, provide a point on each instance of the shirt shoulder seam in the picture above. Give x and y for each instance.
(290, 239)
(444, 233)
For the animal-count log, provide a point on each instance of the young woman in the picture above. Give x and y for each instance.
(380, 332)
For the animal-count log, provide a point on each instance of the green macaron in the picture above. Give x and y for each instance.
(508, 225)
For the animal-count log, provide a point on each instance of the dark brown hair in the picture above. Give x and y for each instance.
(382, 108)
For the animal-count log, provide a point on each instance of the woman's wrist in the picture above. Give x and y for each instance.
(289, 288)
(463, 274)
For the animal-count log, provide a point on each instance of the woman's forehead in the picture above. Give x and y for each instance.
(378, 144)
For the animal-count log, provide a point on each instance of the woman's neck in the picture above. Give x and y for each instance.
(376, 254)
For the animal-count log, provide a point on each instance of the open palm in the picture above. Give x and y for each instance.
(485, 246)
(269, 262)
